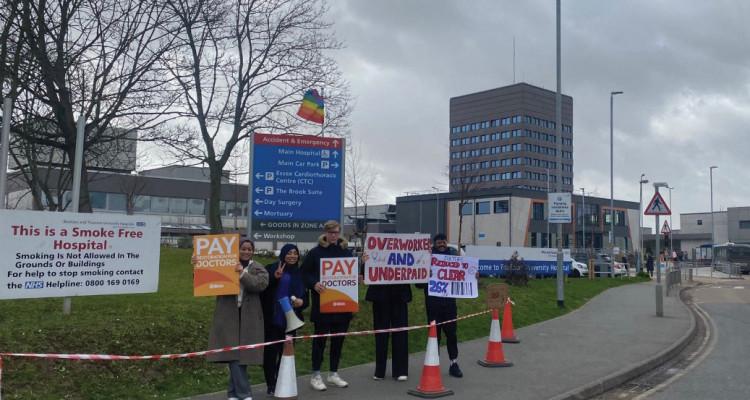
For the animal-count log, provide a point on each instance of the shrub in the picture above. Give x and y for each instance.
(515, 272)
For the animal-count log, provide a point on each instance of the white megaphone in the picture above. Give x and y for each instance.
(292, 322)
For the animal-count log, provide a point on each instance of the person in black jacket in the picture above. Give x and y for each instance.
(441, 309)
(650, 265)
(389, 310)
(330, 245)
(284, 280)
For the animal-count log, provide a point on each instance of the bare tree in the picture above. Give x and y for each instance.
(360, 184)
(132, 186)
(243, 66)
(465, 184)
(96, 58)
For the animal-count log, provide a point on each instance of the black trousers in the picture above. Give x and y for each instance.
(324, 325)
(445, 312)
(391, 315)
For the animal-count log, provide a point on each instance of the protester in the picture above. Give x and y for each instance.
(238, 320)
(440, 309)
(284, 281)
(330, 245)
(650, 265)
(389, 310)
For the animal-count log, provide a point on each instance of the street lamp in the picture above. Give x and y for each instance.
(671, 234)
(640, 223)
(612, 178)
(547, 207)
(437, 207)
(659, 291)
(583, 218)
(713, 240)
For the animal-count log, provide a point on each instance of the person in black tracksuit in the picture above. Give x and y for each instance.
(389, 310)
(441, 309)
(330, 245)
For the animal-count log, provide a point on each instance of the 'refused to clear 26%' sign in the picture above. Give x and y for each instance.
(51, 254)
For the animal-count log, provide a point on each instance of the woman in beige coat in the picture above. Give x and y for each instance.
(238, 320)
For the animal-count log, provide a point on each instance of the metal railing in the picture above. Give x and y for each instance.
(673, 277)
(705, 268)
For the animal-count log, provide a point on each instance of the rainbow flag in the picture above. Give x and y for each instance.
(312, 107)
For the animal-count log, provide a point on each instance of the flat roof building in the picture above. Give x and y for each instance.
(506, 138)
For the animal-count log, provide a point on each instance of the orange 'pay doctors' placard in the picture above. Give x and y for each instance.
(340, 277)
(213, 272)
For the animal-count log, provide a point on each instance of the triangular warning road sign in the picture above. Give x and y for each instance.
(657, 206)
(665, 228)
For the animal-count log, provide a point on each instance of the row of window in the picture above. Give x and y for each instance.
(488, 137)
(533, 148)
(506, 176)
(516, 119)
(538, 212)
(117, 202)
(484, 207)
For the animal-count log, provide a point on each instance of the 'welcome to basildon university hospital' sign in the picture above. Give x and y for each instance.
(297, 185)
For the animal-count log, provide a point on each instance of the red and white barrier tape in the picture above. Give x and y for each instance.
(225, 349)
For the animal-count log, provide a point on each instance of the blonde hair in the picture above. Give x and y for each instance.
(331, 225)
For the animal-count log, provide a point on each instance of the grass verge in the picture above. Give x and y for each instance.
(172, 321)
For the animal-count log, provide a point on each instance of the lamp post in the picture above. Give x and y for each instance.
(671, 234)
(583, 218)
(612, 179)
(640, 223)
(713, 239)
(659, 295)
(437, 207)
(547, 207)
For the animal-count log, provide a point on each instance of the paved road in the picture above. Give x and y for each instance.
(722, 370)
(613, 338)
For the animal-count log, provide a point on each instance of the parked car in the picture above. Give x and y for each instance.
(578, 269)
(602, 264)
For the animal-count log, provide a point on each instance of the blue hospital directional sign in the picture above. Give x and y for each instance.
(297, 184)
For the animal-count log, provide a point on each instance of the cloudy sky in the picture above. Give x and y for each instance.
(683, 65)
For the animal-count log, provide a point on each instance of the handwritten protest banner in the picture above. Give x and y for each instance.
(340, 276)
(213, 272)
(397, 258)
(454, 276)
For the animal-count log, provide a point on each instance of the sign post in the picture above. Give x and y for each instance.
(297, 185)
(559, 213)
(657, 207)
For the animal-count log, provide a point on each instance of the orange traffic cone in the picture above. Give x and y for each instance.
(507, 333)
(495, 356)
(431, 384)
(286, 383)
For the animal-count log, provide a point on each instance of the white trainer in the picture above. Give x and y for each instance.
(317, 383)
(335, 379)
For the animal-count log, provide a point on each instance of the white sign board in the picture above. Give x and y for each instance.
(496, 260)
(397, 258)
(559, 208)
(51, 254)
(454, 276)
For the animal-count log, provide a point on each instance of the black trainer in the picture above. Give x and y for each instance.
(270, 391)
(454, 370)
